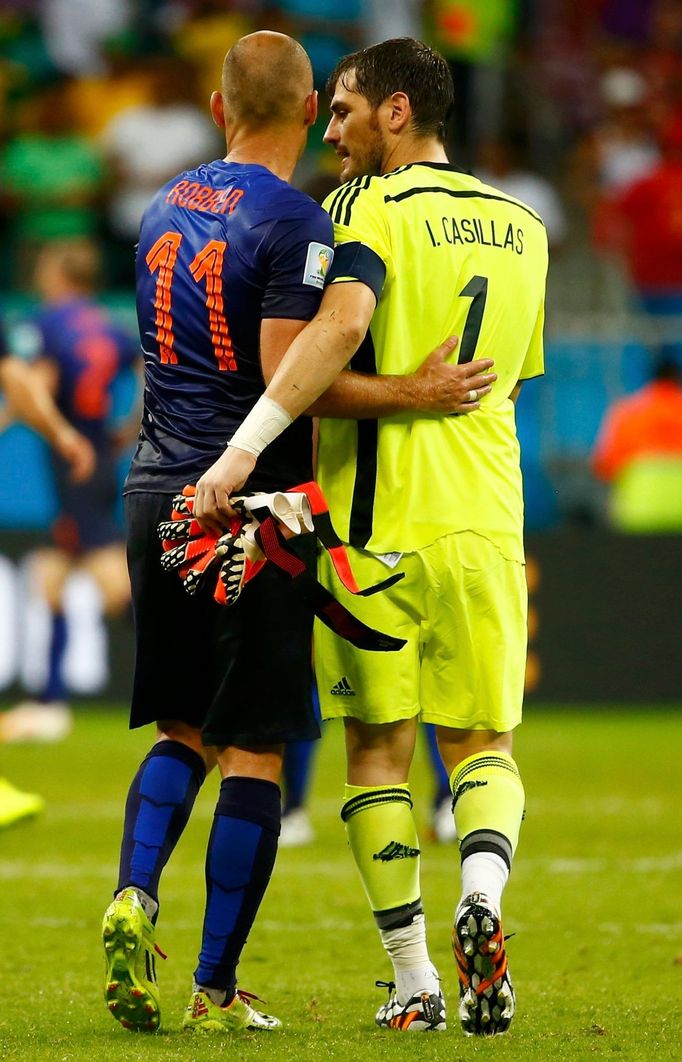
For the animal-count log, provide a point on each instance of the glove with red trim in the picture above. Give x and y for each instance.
(194, 553)
(187, 548)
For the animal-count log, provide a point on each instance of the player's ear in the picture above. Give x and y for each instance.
(217, 109)
(399, 111)
(311, 104)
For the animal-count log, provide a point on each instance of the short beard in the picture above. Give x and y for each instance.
(369, 164)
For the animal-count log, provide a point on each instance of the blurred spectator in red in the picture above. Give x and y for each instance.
(639, 452)
(651, 210)
(82, 351)
(51, 179)
(661, 60)
(619, 149)
(148, 144)
(499, 164)
(624, 143)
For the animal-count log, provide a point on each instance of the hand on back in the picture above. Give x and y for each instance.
(442, 386)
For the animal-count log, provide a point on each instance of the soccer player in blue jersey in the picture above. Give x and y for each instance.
(30, 401)
(230, 266)
(81, 353)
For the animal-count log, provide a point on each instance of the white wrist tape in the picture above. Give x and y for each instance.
(264, 423)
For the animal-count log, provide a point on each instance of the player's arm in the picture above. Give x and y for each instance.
(316, 356)
(435, 386)
(211, 502)
(305, 359)
(30, 399)
(312, 362)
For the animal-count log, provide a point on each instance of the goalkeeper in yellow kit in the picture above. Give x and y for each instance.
(422, 251)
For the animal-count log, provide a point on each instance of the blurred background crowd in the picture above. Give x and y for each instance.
(575, 108)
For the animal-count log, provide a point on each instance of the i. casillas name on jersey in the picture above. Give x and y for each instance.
(475, 230)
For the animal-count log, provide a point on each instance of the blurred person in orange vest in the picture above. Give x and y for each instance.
(639, 452)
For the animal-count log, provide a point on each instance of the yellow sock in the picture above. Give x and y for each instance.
(383, 838)
(488, 802)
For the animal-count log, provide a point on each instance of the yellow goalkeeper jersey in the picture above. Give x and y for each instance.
(445, 255)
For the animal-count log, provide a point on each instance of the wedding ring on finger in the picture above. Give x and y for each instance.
(473, 396)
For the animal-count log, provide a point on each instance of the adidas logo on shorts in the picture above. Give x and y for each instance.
(342, 689)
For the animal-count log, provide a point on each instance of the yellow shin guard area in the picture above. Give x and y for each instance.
(383, 839)
(488, 800)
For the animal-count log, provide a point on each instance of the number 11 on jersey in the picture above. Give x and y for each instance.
(207, 266)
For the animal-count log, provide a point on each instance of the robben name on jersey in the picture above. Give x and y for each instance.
(444, 255)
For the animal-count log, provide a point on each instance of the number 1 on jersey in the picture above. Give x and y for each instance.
(162, 257)
(208, 265)
(477, 291)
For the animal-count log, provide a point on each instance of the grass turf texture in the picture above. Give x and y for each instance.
(593, 901)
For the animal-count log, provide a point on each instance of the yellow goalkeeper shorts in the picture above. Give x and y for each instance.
(462, 607)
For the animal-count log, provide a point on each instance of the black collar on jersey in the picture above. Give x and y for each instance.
(449, 166)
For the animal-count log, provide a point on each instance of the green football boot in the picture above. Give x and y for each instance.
(131, 991)
(203, 1015)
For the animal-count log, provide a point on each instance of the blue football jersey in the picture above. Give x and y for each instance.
(221, 248)
(89, 350)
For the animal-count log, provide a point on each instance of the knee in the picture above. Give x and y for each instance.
(264, 762)
(379, 754)
(174, 730)
(458, 745)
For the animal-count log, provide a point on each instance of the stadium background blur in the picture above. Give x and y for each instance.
(564, 105)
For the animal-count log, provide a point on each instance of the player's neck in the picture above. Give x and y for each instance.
(276, 151)
(408, 150)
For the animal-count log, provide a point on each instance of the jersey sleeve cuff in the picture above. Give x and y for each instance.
(358, 262)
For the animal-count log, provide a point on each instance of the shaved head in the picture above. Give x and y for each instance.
(266, 79)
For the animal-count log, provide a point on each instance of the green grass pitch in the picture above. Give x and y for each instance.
(594, 902)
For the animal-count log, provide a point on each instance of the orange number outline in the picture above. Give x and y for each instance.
(162, 257)
(208, 265)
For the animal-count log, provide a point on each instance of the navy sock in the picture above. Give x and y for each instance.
(442, 780)
(298, 757)
(55, 687)
(296, 766)
(160, 801)
(239, 861)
